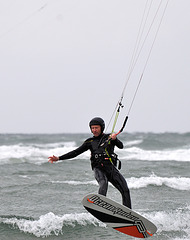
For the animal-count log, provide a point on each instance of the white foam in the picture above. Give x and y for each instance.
(132, 143)
(36, 154)
(51, 224)
(172, 221)
(179, 183)
(30, 153)
(39, 153)
(157, 155)
(94, 182)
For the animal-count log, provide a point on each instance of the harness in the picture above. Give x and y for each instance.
(103, 159)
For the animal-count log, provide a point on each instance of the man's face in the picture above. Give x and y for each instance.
(96, 130)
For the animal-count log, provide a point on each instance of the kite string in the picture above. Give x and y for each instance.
(137, 44)
(149, 54)
(130, 69)
(23, 21)
(136, 55)
(138, 48)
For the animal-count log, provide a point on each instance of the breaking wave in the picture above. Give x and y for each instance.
(168, 221)
(37, 154)
(179, 183)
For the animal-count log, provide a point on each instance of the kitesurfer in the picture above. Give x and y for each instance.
(103, 159)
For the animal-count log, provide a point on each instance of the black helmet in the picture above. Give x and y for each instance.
(97, 121)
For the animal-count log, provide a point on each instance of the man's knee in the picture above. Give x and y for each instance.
(102, 188)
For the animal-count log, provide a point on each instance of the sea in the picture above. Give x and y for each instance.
(40, 200)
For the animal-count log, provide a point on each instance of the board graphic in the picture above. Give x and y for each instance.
(119, 217)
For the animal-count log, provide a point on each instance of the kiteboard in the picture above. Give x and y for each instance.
(118, 216)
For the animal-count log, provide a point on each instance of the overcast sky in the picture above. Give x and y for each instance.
(65, 61)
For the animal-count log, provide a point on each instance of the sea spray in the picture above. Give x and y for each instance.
(50, 224)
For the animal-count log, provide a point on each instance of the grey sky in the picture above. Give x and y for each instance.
(66, 61)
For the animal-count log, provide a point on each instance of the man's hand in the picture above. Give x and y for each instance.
(53, 159)
(113, 136)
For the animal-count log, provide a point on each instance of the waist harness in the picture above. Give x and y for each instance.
(102, 158)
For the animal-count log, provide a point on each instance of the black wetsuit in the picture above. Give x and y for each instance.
(104, 170)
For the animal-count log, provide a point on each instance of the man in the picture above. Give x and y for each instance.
(103, 159)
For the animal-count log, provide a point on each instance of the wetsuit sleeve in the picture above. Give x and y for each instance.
(118, 143)
(84, 147)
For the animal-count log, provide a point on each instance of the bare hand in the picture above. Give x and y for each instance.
(53, 159)
(113, 136)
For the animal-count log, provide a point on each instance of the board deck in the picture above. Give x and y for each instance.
(119, 217)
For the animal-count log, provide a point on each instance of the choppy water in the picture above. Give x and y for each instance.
(43, 200)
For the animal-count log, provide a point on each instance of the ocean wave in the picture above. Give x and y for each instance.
(167, 222)
(171, 221)
(135, 153)
(39, 153)
(94, 182)
(178, 183)
(50, 224)
(133, 142)
(31, 153)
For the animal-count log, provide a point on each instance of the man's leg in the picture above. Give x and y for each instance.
(102, 181)
(120, 183)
